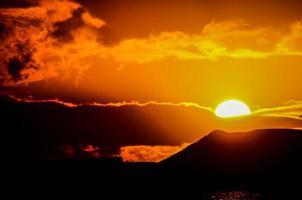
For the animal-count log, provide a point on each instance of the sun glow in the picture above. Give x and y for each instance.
(232, 108)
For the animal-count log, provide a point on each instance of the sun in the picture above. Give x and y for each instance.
(232, 108)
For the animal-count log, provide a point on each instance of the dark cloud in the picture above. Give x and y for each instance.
(22, 60)
(14, 68)
(63, 30)
(18, 3)
(16, 53)
(40, 129)
(3, 31)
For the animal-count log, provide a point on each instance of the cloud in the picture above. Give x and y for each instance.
(210, 43)
(92, 151)
(67, 151)
(292, 110)
(113, 104)
(78, 152)
(53, 38)
(62, 39)
(145, 153)
(137, 153)
(232, 39)
(85, 130)
(92, 21)
(291, 43)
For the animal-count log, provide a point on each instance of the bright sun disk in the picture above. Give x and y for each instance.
(232, 108)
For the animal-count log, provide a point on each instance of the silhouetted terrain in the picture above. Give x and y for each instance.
(270, 156)
(264, 162)
(256, 157)
(245, 152)
(253, 160)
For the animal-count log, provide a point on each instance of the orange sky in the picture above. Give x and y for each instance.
(201, 52)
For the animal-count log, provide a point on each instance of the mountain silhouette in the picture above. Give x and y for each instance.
(267, 154)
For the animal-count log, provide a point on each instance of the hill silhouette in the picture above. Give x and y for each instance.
(257, 157)
(264, 161)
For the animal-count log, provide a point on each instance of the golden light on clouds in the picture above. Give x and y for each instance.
(145, 153)
(52, 56)
(225, 58)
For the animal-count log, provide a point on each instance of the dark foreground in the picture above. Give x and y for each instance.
(152, 179)
(262, 164)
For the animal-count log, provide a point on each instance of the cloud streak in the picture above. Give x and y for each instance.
(113, 104)
(291, 109)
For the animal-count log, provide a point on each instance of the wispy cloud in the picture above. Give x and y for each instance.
(113, 104)
(292, 109)
(232, 39)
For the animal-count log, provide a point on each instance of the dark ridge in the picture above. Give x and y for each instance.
(258, 152)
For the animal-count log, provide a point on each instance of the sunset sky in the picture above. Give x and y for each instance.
(174, 60)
